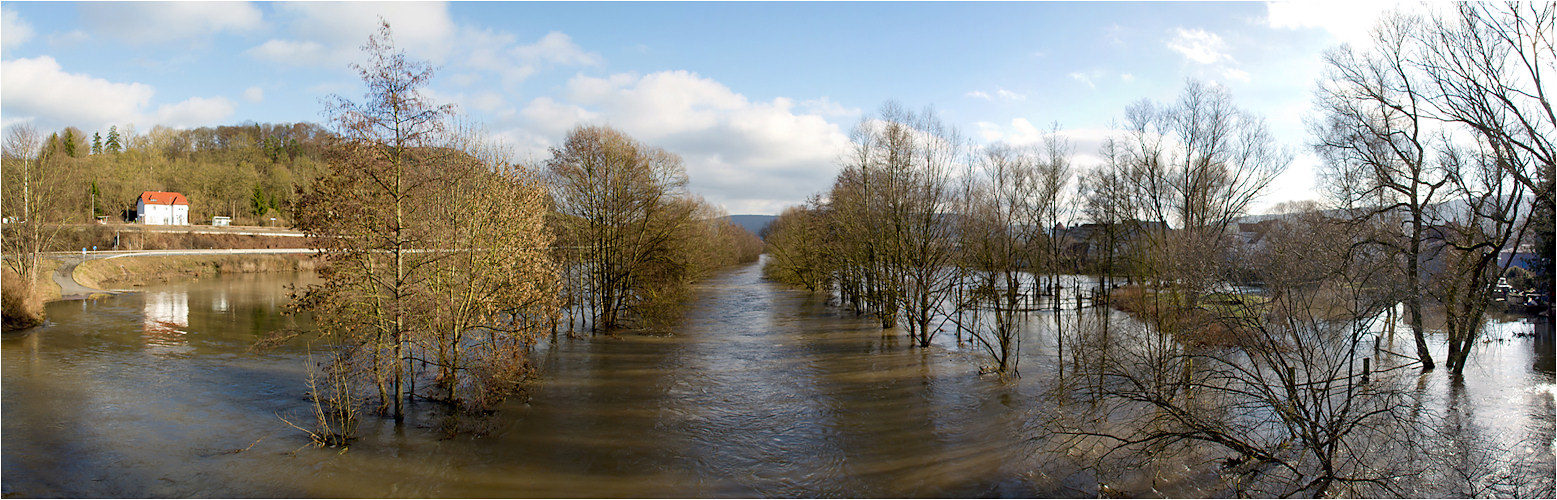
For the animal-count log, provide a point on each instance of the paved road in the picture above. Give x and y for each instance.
(70, 289)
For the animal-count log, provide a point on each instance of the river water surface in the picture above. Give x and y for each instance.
(763, 391)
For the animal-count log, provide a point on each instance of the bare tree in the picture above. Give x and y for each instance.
(798, 249)
(1194, 167)
(27, 190)
(929, 271)
(999, 230)
(1486, 67)
(1378, 143)
(1494, 219)
(1291, 408)
(436, 257)
(33, 221)
(623, 203)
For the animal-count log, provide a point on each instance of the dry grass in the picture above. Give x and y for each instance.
(1200, 326)
(46, 288)
(21, 303)
(133, 238)
(141, 271)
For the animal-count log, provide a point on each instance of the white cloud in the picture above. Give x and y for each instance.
(826, 107)
(1236, 74)
(999, 95)
(1084, 142)
(332, 33)
(749, 156)
(551, 118)
(1126, 77)
(74, 37)
(1114, 33)
(160, 22)
(1199, 45)
(290, 51)
(38, 90)
(1346, 21)
(519, 63)
(13, 29)
(255, 95)
(1083, 79)
(990, 132)
(193, 112)
(557, 48)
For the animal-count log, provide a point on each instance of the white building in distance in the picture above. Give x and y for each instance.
(162, 208)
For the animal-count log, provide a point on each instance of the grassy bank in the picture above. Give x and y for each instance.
(1213, 321)
(134, 237)
(21, 304)
(141, 271)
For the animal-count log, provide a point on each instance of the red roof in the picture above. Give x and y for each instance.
(163, 198)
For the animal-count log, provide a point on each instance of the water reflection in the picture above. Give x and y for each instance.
(765, 391)
(166, 322)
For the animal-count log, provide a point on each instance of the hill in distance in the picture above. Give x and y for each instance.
(753, 223)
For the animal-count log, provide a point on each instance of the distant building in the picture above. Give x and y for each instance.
(162, 208)
(221, 220)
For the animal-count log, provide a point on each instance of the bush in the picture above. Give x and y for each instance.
(22, 304)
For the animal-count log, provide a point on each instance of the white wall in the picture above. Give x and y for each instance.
(162, 214)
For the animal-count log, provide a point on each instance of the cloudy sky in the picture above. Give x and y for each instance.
(758, 98)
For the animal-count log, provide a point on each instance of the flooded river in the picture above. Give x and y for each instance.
(763, 391)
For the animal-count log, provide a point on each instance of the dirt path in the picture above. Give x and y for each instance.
(69, 289)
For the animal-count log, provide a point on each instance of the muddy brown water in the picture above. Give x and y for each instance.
(763, 391)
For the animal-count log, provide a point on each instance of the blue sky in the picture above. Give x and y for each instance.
(757, 98)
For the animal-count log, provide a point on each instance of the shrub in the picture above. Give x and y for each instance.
(22, 304)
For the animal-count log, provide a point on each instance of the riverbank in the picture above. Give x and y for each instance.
(21, 304)
(70, 278)
(1205, 325)
(140, 271)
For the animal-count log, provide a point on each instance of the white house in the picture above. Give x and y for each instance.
(157, 207)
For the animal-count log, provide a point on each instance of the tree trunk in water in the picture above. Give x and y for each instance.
(1414, 300)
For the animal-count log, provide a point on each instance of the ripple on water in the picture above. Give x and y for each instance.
(762, 391)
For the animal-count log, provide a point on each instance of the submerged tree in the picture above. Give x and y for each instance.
(797, 247)
(436, 254)
(1193, 168)
(1444, 122)
(999, 231)
(622, 204)
(1297, 406)
(1374, 134)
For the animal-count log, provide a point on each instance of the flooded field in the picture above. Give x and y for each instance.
(763, 391)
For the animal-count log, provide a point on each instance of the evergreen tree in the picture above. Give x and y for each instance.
(97, 201)
(259, 201)
(114, 145)
(68, 143)
(97, 143)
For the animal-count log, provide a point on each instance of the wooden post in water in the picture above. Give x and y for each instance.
(1075, 361)
(1189, 366)
(1364, 370)
(1391, 320)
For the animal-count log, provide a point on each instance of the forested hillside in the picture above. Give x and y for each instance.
(249, 172)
